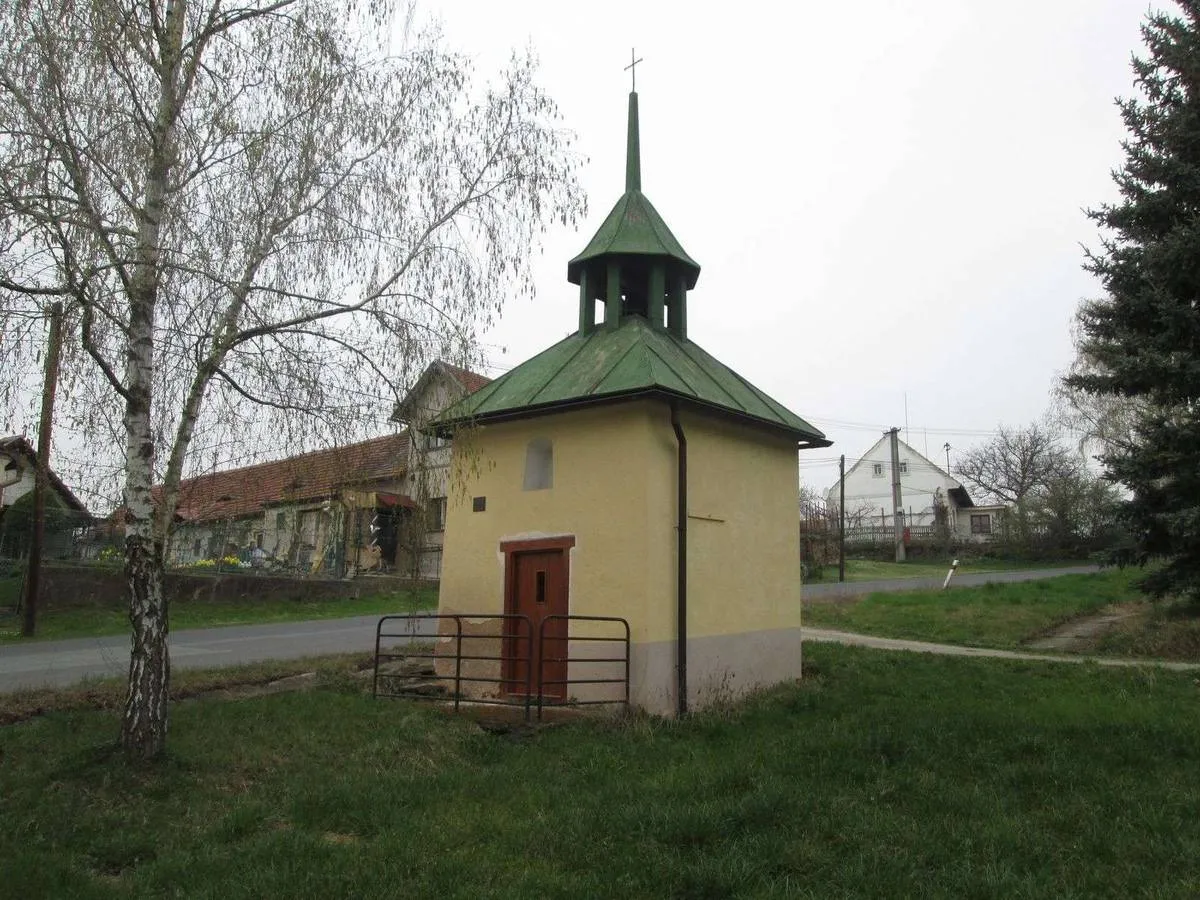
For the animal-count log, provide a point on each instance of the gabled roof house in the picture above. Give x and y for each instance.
(373, 505)
(924, 486)
(18, 466)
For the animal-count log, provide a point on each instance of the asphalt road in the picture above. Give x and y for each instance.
(58, 663)
(851, 588)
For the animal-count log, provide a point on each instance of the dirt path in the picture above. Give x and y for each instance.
(1082, 633)
(823, 635)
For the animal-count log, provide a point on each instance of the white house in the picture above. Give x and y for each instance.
(18, 474)
(927, 492)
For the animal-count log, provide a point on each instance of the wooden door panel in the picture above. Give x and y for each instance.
(538, 588)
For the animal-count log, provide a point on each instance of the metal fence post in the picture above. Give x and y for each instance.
(457, 661)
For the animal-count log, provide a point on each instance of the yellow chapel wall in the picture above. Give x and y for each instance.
(743, 529)
(608, 478)
(614, 490)
(743, 562)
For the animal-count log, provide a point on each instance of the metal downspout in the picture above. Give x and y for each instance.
(681, 558)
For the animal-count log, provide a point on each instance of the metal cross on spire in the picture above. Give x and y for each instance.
(631, 68)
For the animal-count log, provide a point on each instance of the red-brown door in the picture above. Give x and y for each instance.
(537, 587)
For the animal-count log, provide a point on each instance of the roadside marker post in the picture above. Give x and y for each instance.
(950, 574)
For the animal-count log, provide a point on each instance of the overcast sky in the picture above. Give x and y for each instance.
(884, 197)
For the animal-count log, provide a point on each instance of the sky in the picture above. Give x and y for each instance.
(886, 198)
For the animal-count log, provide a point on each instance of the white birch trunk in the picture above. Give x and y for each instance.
(277, 236)
(144, 722)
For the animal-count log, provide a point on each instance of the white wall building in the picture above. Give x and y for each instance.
(924, 486)
(18, 474)
(440, 386)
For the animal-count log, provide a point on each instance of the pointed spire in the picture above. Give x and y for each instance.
(633, 264)
(633, 153)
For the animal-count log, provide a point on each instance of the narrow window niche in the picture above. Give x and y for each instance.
(539, 465)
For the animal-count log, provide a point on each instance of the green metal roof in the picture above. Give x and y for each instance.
(635, 227)
(614, 363)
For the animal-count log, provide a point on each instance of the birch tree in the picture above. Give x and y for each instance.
(252, 209)
(1101, 423)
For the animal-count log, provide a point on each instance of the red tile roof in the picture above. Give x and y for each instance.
(471, 381)
(236, 493)
(248, 491)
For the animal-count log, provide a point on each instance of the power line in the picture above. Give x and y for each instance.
(867, 426)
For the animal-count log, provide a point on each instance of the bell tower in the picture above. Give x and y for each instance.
(634, 264)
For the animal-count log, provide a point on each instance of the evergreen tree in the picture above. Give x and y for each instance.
(1142, 340)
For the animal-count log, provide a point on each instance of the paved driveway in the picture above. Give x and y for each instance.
(56, 663)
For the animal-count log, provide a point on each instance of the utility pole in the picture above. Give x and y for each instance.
(897, 498)
(946, 447)
(842, 518)
(49, 386)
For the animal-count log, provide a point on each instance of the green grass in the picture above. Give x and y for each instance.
(1165, 630)
(878, 570)
(109, 693)
(89, 621)
(874, 570)
(991, 615)
(10, 590)
(882, 775)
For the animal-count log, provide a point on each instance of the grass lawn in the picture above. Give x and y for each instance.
(1165, 630)
(109, 693)
(10, 590)
(990, 615)
(883, 775)
(877, 570)
(88, 621)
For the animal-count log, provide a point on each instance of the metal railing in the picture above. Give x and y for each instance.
(506, 638)
(516, 638)
(566, 683)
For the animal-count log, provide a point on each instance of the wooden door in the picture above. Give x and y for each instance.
(537, 587)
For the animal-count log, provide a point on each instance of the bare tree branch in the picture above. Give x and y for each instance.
(1015, 463)
(263, 220)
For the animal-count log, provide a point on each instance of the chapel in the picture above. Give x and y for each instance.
(626, 472)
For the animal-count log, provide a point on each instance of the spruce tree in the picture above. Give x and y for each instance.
(1142, 340)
